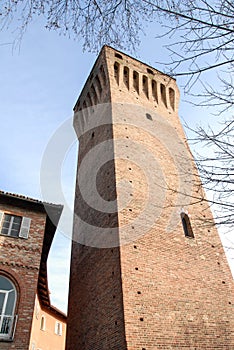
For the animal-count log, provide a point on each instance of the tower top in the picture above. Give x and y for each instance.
(117, 77)
(119, 53)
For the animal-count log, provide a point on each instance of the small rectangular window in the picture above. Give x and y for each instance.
(11, 225)
(14, 225)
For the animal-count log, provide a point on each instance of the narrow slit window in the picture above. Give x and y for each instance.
(43, 323)
(145, 85)
(188, 232)
(154, 90)
(58, 328)
(163, 94)
(136, 81)
(126, 77)
(172, 98)
(116, 72)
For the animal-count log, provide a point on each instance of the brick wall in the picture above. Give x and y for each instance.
(20, 261)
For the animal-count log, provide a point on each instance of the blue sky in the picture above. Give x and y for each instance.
(40, 82)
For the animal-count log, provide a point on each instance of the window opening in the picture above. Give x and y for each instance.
(150, 71)
(118, 56)
(145, 85)
(172, 98)
(116, 72)
(163, 94)
(188, 232)
(154, 90)
(58, 328)
(11, 225)
(126, 76)
(136, 81)
(14, 226)
(42, 327)
(7, 307)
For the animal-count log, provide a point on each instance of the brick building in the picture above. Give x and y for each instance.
(148, 270)
(26, 315)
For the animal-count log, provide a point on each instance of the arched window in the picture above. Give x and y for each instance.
(186, 225)
(43, 323)
(7, 307)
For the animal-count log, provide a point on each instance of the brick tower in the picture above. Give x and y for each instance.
(147, 271)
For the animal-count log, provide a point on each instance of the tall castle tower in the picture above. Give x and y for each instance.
(147, 271)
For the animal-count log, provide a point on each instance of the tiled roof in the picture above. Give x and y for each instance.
(29, 199)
